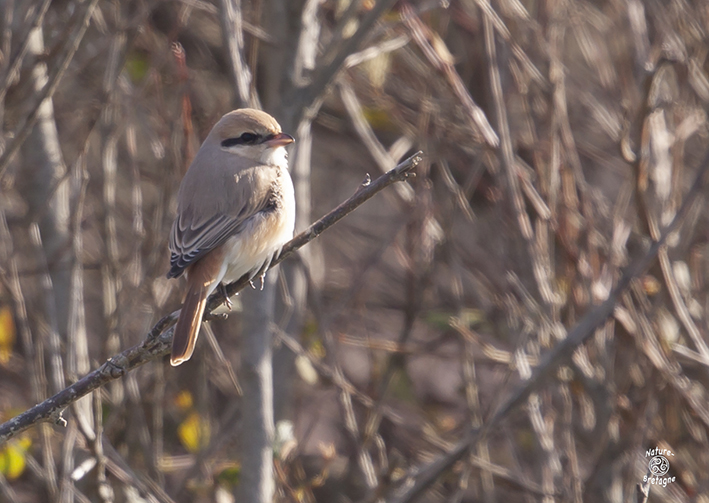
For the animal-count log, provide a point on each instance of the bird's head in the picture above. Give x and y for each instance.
(252, 134)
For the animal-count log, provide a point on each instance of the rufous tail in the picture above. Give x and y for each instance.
(201, 279)
(188, 324)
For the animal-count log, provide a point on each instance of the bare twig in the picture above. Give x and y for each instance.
(158, 341)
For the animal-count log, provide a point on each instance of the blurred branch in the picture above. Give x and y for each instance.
(506, 35)
(6, 489)
(649, 342)
(540, 267)
(14, 68)
(586, 327)
(368, 137)
(372, 52)
(158, 341)
(32, 346)
(439, 57)
(642, 490)
(334, 59)
(308, 40)
(233, 34)
(44, 174)
(71, 46)
(256, 481)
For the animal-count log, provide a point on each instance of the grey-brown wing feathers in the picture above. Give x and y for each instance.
(188, 244)
(210, 212)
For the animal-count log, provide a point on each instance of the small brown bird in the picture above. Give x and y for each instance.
(235, 210)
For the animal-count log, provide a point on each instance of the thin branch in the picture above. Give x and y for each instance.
(158, 341)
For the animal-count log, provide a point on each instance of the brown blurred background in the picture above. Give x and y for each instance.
(560, 138)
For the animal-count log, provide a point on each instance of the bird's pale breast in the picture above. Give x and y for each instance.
(264, 235)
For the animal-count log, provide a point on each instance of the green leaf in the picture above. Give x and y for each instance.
(137, 66)
(229, 476)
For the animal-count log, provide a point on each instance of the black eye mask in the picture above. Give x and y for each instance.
(244, 139)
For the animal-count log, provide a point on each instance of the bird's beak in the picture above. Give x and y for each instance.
(279, 140)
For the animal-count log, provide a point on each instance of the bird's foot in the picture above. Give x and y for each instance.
(262, 278)
(212, 316)
(223, 292)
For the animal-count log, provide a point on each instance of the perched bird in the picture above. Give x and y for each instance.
(235, 210)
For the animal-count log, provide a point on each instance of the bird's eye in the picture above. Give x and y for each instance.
(244, 139)
(249, 138)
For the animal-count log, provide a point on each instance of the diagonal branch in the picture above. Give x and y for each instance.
(158, 341)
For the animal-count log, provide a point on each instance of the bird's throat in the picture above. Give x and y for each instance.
(275, 157)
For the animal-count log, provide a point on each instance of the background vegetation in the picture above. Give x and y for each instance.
(561, 138)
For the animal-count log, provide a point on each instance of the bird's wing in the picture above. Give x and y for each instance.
(202, 224)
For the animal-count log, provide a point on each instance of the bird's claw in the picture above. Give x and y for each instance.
(227, 300)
